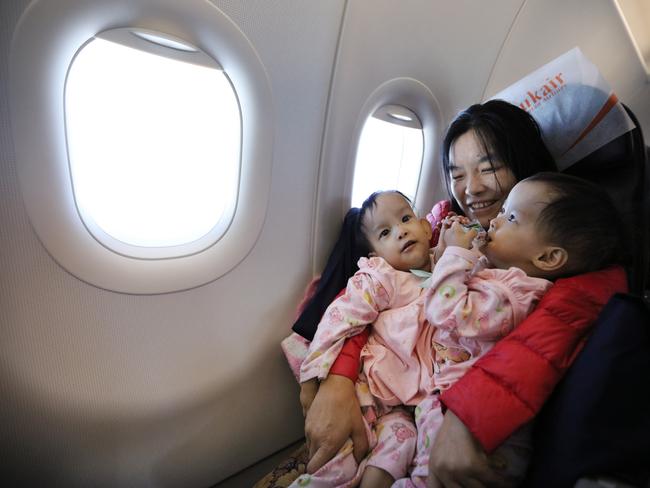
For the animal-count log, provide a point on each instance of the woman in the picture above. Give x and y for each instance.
(487, 150)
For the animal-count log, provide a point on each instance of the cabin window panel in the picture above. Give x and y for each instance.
(154, 148)
(389, 154)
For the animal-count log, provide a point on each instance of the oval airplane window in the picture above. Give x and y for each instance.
(153, 143)
(143, 152)
(389, 155)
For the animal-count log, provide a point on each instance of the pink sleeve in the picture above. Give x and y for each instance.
(454, 302)
(295, 349)
(347, 363)
(367, 294)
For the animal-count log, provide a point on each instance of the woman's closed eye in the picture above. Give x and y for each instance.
(488, 170)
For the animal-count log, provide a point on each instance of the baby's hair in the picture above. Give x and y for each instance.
(583, 219)
(351, 244)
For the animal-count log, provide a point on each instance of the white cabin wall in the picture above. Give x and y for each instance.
(450, 47)
(545, 29)
(464, 52)
(183, 389)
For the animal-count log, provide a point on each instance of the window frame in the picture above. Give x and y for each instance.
(37, 82)
(417, 98)
(130, 38)
(398, 116)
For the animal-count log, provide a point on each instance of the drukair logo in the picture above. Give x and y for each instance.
(551, 87)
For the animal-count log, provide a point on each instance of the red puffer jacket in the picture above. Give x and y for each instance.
(508, 386)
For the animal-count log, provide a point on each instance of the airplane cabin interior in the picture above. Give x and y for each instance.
(174, 174)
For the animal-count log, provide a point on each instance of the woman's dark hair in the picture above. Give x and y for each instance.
(351, 245)
(583, 219)
(508, 134)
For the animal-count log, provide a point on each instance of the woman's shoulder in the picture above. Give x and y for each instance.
(596, 285)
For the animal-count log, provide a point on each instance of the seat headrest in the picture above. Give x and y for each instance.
(574, 106)
(621, 168)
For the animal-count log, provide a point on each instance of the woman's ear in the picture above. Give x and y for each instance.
(551, 259)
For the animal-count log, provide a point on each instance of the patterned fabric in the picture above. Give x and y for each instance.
(294, 346)
(513, 455)
(508, 386)
(377, 294)
(392, 441)
(471, 307)
(287, 471)
(295, 349)
(439, 211)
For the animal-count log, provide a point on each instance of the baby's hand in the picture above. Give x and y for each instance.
(459, 235)
(479, 241)
(452, 217)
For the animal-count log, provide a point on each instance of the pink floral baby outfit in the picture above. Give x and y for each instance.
(421, 342)
(470, 307)
(391, 300)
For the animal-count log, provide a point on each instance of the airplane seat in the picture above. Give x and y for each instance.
(621, 168)
(594, 431)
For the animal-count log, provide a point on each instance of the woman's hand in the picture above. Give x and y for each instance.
(458, 460)
(334, 417)
(308, 391)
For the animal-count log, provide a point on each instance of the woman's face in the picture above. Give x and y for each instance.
(479, 186)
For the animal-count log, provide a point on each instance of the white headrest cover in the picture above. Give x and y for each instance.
(574, 106)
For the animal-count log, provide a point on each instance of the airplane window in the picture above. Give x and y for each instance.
(389, 155)
(153, 144)
(147, 166)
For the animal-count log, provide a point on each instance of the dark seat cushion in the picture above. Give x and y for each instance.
(598, 420)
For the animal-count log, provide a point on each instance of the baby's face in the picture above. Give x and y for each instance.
(514, 238)
(396, 234)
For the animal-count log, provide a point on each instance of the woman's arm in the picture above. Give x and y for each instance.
(333, 414)
(457, 459)
(334, 417)
(349, 360)
(508, 386)
(520, 372)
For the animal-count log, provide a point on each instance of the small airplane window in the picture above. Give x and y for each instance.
(389, 155)
(153, 143)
